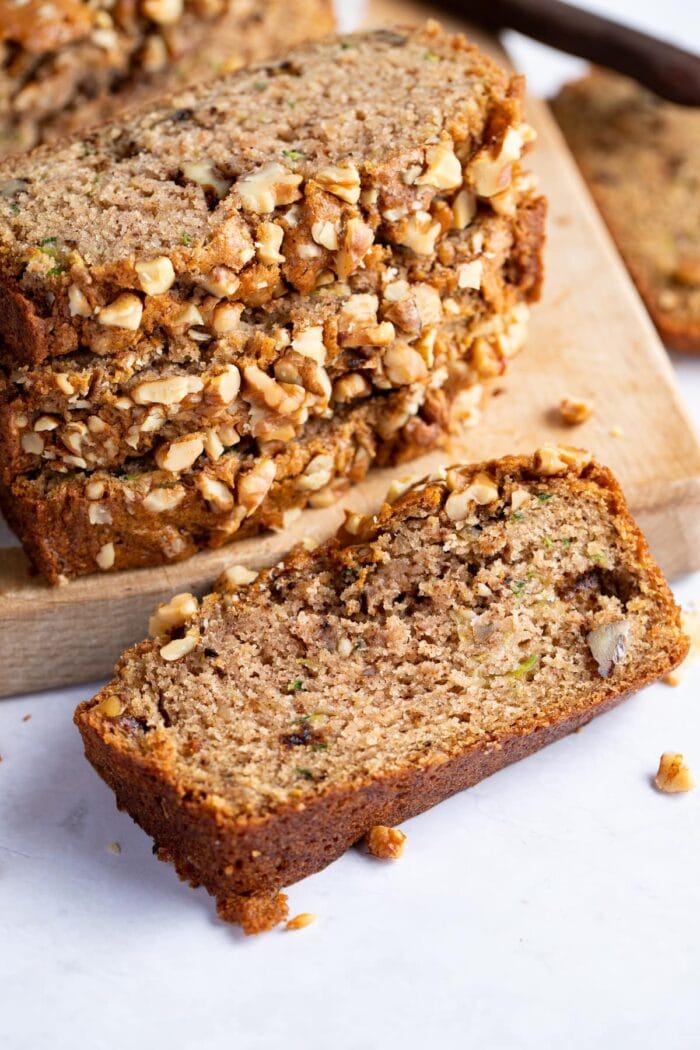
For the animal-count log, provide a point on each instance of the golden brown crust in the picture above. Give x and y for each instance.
(242, 855)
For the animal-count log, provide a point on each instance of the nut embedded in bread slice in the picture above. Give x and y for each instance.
(358, 684)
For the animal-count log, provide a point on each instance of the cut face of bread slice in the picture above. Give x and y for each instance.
(264, 180)
(482, 615)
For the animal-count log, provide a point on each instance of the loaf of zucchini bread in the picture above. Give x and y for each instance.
(344, 233)
(487, 612)
(70, 63)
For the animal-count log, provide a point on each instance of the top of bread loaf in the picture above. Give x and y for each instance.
(344, 141)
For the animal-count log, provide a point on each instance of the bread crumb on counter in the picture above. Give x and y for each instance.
(673, 775)
(305, 918)
(385, 843)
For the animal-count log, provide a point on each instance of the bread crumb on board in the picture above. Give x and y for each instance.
(385, 843)
(575, 410)
(673, 774)
(114, 847)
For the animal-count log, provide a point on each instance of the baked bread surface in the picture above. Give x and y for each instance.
(482, 615)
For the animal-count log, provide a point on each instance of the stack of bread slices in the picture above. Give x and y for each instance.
(229, 305)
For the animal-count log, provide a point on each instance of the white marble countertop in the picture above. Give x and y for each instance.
(555, 905)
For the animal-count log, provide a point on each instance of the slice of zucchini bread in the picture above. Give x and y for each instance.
(484, 614)
(268, 369)
(71, 63)
(151, 512)
(276, 178)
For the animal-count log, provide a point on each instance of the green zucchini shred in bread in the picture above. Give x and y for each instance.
(70, 63)
(485, 613)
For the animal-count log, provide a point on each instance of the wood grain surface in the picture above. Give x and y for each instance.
(590, 337)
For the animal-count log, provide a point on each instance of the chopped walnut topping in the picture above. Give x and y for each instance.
(44, 423)
(255, 485)
(175, 613)
(180, 647)
(32, 444)
(64, 384)
(317, 473)
(309, 343)
(385, 843)
(124, 312)
(283, 398)
(234, 577)
(404, 365)
(218, 495)
(469, 274)
(269, 242)
(111, 706)
(673, 774)
(342, 181)
(557, 459)
(95, 489)
(170, 390)
(163, 12)
(226, 317)
(351, 386)
(490, 175)
(98, 514)
(575, 410)
(268, 188)
(160, 500)
(204, 175)
(225, 386)
(156, 276)
(325, 234)
(444, 171)
(419, 233)
(221, 282)
(398, 487)
(105, 557)
(180, 454)
(357, 241)
(78, 305)
(463, 209)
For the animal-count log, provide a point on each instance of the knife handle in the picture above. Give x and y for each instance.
(669, 71)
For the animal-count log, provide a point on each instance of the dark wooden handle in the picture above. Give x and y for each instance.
(671, 72)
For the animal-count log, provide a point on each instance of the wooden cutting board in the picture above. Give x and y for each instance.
(590, 337)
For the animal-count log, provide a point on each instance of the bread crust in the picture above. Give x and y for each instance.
(240, 855)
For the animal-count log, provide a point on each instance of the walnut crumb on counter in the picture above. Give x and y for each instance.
(385, 843)
(575, 410)
(305, 918)
(673, 775)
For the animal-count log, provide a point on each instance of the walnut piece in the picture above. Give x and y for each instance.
(673, 774)
(385, 843)
(575, 410)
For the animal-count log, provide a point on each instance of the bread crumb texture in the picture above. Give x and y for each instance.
(487, 611)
